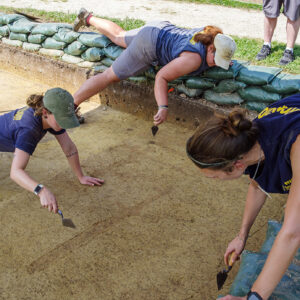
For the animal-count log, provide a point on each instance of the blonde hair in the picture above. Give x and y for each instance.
(35, 101)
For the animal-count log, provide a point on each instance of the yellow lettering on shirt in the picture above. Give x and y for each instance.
(18, 116)
(284, 110)
(287, 185)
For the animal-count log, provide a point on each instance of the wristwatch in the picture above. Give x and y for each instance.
(253, 296)
(38, 189)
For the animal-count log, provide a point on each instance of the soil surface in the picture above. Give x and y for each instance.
(157, 229)
(233, 21)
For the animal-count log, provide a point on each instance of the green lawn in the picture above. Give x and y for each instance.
(246, 48)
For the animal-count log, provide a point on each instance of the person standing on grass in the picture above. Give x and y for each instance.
(291, 9)
(22, 129)
(268, 150)
(180, 52)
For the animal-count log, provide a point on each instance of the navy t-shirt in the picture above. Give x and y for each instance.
(21, 129)
(173, 40)
(279, 126)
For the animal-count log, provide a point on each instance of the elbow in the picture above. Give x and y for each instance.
(291, 235)
(13, 174)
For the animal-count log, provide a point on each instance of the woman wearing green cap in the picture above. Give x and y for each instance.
(179, 51)
(22, 129)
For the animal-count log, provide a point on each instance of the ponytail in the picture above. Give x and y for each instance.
(36, 102)
(222, 140)
(207, 35)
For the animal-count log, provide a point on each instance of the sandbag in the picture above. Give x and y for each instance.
(88, 64)
(257, 75)
(36, 38)
(99, 69)
(14, 43)
(4, 30)
(51, 43)
(49, 29)
(284, 84)
(31, 47)
(252, 264)
(222, 98)
(71, 59)
(195, 82)
(192, 93)
(51, 52)
(150, 73)
(113, 51)
(138, 79)
(272, 231)
(92, 39)
(258, 94)
(93, 54)
(22, 26)
(76, 48)
(229, 86)
(10, 18)
(18, 36)
(66, 35)
(256, 106)
(107, 61)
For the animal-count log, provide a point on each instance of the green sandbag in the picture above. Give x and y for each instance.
(92, 39)
(18, 36)
(14, 43)
(113, 51)
(49, 29)
(222, 98)
(150, 73)
(10, 18)
(4, 30)
(93, 54)
(107, 61)
(272, 231)
(138, 79)
(256, 106)
(99, 69)
(66, 35)
(258, 94)
(75, 49)
(51, 43)
(219, 73)
(192, 93)
(252, 264)
(195, 82)
(36, 38)
(22, 26)
(31, 47)
(175, 82)
(257, 75)
(229, 86)
(284, 84)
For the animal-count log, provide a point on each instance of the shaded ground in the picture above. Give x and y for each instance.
(157, 229)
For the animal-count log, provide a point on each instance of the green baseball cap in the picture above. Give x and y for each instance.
(61, 104)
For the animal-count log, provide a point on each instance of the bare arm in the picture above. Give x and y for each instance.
(70, 150)
(186, 63)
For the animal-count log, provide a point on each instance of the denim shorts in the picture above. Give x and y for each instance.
(291, 8)
(140, 53)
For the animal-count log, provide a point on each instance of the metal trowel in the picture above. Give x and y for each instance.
(66, 222)
(154, 130)
(222, 275)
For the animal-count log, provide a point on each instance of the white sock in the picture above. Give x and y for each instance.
(291, 49)
(268, 44)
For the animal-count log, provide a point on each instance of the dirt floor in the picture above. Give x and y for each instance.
(156, 230)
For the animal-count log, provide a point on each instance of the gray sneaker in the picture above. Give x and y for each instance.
(264, 52)
(287, 57)
(81, 19)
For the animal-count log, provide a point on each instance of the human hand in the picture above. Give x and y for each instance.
(48, 200)
(237, 246)
(161, 116)
(91, 181)
(229, 297)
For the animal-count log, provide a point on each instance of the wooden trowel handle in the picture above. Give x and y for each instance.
(231, 262)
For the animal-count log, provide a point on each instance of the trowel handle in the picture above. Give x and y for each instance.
(60, 213)
(231, 262)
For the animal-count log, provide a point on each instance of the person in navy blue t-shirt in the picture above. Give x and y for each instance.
(179, 51)
(268, 150)
(22, 129)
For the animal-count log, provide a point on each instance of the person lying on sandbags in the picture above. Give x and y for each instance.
(22, 129)
(179, 51)
(268, 150)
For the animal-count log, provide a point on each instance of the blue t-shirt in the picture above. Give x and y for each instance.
(172, 41)
(21, 129)
(279, 126)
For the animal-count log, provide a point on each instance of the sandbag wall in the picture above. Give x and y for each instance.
(253, 87)
(252, 264)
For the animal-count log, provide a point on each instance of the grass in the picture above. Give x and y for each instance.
(246, 48)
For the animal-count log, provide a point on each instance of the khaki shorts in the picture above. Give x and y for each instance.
(291, 8)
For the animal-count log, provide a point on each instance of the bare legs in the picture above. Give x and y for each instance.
(269, 27)
(292, 28)
(110, 29)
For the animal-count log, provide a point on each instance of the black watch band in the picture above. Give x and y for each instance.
(253, 296)
(38, 189)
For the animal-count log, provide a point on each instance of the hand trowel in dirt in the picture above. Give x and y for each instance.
(222, 275)
(66, 222)
(154, 130)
